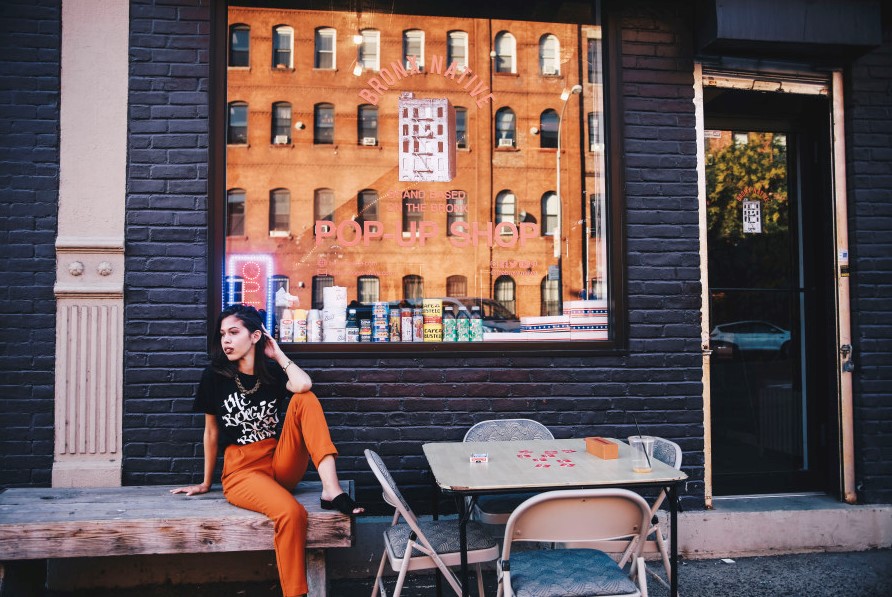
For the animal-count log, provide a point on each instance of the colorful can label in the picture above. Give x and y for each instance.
(450, 330)
(395, 320)
(365, 330)
(406, 324)
(314, 325)
(417, 325)
(433, 332)
(476, 332)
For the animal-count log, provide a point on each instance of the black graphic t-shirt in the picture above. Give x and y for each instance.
(242, 419)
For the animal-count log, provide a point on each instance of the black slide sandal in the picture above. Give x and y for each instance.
(343, 503)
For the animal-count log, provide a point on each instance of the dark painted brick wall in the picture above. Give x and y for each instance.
(394, 405)
(29, 191)
(166, 239)
(869, 170)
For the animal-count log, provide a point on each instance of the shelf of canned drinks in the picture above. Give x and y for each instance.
(380, 322)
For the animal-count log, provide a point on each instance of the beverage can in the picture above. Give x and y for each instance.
(406, 324)
(395, 320)
(417, 325)
(314, 325)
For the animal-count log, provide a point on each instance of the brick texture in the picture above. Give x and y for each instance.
(869, 170)
(166, 240)
(29, 185)
(394, 405)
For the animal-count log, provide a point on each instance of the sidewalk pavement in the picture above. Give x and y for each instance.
(854, 574)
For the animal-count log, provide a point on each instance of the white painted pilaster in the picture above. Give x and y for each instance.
(89, 285)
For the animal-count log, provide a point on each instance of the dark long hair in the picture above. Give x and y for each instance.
(252, 319)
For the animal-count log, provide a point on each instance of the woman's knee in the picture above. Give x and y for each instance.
(290, 514)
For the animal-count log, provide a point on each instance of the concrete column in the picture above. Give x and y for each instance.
(89, 285)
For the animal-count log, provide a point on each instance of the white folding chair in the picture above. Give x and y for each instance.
(495, 509)
(424, 545)
(583, 515)
(667, 452)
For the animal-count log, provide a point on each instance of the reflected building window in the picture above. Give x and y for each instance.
(506, 209)
(367, 207)
(504, 292)
(549, 55)
(367, 120)
(457, 286)
(368, 289)
(239, 45)
(412, 213)
(413, 45)
(594, 131)
(279, 211)
(461, 127)
(325, 48)
(457, 50)
(323, 207)
(456, 210)
(370, 50)
(505, 48)
(548, 129)
(283, 40)
(506, 126)
(235, 212)
(237, 124)
(281, 123)
(323, 128)
(413, 287)
(319, 284)
(550, 209)
(550, 297)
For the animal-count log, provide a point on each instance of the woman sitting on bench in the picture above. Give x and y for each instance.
(241, 393)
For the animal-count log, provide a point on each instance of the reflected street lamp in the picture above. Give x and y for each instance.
(565, 95)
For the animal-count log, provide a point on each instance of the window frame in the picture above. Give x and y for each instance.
(361, 129)
(278, 30)
(459, 144)
(360, 59)
(277, 129)
(550, 140)
(275, 195)
(318, 138)
(229, 50)
(499, 128)
(555, 69)
(608, 38)
(421, 38)
(461, 36)
(230, 193)
(318, 34)
(229, 127)
(511, 53)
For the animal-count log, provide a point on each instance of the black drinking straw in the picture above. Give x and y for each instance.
(634, 418)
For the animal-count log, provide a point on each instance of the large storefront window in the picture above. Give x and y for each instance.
(411, 174)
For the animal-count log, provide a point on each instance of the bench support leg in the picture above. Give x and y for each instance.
(317, 580)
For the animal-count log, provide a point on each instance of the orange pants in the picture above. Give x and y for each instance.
(261, 476)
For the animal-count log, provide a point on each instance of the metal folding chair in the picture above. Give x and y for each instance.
(496, 509)
(423, 545)
(584, 515)
(667, 452)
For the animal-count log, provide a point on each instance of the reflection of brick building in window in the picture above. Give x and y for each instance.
(427, 139)
(362, 183)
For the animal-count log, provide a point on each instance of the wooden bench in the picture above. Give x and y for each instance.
(37, 523)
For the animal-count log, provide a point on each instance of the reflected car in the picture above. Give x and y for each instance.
(750, 336)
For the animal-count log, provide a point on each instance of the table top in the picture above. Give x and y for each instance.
(531, 464)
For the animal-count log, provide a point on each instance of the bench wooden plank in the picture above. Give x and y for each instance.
(38, 523)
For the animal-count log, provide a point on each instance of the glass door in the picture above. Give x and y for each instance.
(769, 430)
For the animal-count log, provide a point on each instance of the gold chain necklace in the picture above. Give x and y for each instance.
(241, 388)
